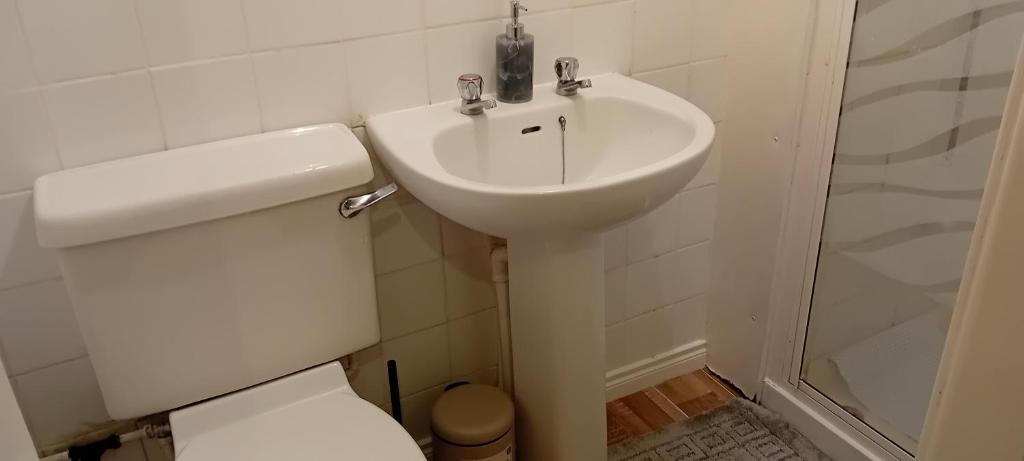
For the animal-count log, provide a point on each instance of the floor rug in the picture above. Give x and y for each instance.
(739, 430)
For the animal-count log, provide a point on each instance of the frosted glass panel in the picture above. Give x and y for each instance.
(925, 88)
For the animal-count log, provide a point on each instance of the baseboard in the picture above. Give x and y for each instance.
(639, 375)
(645, 373)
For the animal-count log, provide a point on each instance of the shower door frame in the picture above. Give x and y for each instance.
(826, 423)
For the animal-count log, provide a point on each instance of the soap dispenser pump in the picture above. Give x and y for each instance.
(514, 58)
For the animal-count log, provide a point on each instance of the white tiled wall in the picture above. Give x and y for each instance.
(657, 273)
(84, 82)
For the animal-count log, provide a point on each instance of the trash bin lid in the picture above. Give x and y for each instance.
(472, 414)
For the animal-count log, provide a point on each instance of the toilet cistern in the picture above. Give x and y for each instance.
(228, 271)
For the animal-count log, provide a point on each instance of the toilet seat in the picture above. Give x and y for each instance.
(311, 415)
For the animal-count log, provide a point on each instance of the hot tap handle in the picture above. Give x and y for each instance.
(471, 86)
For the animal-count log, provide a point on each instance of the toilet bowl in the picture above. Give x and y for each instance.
(311, 415)
(220, 282)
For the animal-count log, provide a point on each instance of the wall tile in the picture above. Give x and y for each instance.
(473, 342)
(553, 38)
(187, 30)
(616, 340)
(711, 28)
(361, 18)
(404, 234)
(616, 247)
(675, 80)
(696, 215)
(458, 238)
(370, 382)
(442, 12)
(105, 118)
(708, 173)
(80, 39)
(22, 261)
(468, 282)
(411, 299)
(38, 327)
(656, 233)
(662, 34)
(302, 86)
(664, 280)
(315, 21)
(27, 149)
(543, 5)
(207, 101)
(487, 376)
(616, 298)
(15, 60)
(387, 73)
(636, 339)
(60, 401)
(422, 359)
(686, 320)
(457, 50)
(709, 82)
(648, 335)
(603, 38)
(416, 410)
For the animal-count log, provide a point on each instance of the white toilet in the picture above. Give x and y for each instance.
(223, 274)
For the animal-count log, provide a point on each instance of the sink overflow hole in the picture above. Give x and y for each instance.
(531, 129)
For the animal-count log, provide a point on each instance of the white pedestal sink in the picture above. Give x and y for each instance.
(628, 147)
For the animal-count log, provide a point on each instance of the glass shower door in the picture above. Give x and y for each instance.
(925, 87)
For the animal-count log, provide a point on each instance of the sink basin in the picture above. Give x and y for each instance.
(549, 175)
(628, 148)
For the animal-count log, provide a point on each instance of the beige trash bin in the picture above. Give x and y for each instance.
(473, 422)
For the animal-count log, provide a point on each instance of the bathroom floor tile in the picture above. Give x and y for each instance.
(677, 399)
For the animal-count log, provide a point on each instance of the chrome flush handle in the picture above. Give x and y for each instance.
(352, 206)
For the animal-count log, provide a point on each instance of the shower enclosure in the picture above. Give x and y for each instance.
(909, 119)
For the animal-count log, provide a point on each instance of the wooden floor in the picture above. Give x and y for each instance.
(674, 400)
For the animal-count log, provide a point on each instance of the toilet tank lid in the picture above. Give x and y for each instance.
(173, 188)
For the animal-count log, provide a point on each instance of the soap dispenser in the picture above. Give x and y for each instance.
(514, 58)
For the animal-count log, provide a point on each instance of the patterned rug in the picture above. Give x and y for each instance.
(737, 431)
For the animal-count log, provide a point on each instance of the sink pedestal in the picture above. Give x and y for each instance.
(556, 287)
(621, 148)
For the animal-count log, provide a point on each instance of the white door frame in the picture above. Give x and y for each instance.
(832, 428)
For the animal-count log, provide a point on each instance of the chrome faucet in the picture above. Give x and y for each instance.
(565, 69)
(471, 86)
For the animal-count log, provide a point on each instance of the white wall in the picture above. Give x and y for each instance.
(85, 82)
(767, 65)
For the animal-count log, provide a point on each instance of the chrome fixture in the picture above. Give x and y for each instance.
(471, 86)
(352, 206)
(565, 69)
(561, 123)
